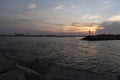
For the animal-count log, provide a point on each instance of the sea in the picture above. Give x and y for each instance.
(72, 52)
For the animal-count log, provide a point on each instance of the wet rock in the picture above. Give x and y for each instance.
(16, 60)
(60, 79)
(5, 64)
(33, 77)
(12, 75)
(12, 68)
(41, 66)
(118, 77)
(29, 73)
(57, 73)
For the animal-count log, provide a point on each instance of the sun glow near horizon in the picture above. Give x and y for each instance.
(82, 29)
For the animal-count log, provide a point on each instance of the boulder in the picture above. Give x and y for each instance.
(5, 64)
(41, 66)
(12, 75)
(29, 73)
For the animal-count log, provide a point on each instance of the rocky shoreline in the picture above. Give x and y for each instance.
(13, 68)
(101, 37)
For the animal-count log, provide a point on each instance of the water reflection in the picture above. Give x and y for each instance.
(88, 48)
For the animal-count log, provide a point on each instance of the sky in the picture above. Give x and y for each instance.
(59, 16)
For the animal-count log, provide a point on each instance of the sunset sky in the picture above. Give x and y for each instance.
(36, 16)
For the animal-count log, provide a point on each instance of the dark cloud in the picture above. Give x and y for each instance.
(110, 27)
(23, 26)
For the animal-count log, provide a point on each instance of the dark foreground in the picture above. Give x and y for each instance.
(13, 68)
(101, 37)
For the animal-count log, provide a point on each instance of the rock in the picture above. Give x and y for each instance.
(59, 73)
(118, 77)
(12, 68)
(17, 60)
(29, 73)
(41, 66)
(5, 65)
(12, 75)
(33, 77)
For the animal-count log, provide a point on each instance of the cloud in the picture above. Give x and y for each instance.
(85, 17)
(94, 18)
(73, 7)
(16, 17)
(106, 5)
(114, 18)
(59, 7)
(81, 27)
(90, 17)
(78, 24)
(22, 17)
(54, 24)
(31, 6)
(110, 27)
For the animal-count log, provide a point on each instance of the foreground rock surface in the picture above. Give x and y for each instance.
(57, 73)
(13, 69)
(39, 69)
(12, 75)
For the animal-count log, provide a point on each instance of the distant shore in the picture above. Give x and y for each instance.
(42, 35)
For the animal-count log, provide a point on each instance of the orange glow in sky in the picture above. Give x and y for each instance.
(83, 29)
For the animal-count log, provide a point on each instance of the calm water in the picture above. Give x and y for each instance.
(96, 56)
